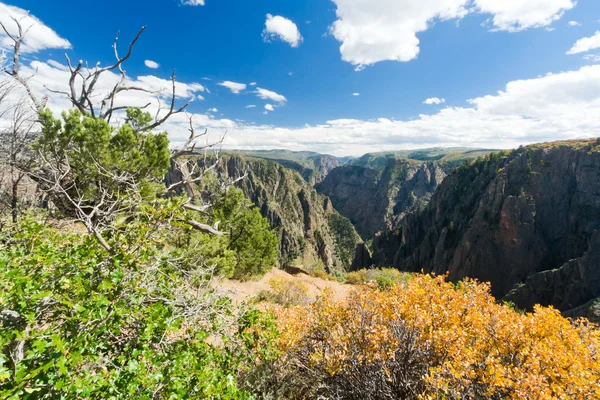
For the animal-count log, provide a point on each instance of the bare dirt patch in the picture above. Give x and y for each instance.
(243, 291)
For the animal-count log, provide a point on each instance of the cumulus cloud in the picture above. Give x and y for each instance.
(356, 94)
(252, 83)
(192, 2)
(434, 100)
(592, 57)
(586, 44)
(517, 15)
(214, 110)
(270, 95)
(39, 36)
(380, 30)
(151, 64)
(574, 23)
(280, 28)
(269, 107)
(233, 86)
(551, 107)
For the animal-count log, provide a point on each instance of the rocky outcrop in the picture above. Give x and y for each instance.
(526, 221)
(567, 288)
(313, 167)
(376, 200)
(294, 209)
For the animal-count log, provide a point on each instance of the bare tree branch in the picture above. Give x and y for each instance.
(202, 227)
(14, 71)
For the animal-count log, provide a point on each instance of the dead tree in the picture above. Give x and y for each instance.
(13, 70)
(15, 156)
(54, 176)
(18, 129)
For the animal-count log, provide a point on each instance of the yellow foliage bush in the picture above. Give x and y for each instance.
(431, 339)
(287, 292)
(318, 273)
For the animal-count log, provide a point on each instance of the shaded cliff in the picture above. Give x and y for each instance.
(311, 232)
(377, 190)
(376, 200)
(525, 220)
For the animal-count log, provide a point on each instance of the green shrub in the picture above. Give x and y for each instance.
(319, 273)
(357, 277)
(251, 243)
(77, 322)
(384, 277)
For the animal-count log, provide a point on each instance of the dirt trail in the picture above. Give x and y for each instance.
(240, 291)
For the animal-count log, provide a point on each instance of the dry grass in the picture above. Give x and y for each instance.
(244, 291)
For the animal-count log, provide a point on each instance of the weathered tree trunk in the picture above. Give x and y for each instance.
(14, 201)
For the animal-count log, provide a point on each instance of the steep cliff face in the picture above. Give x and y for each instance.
(313, 167)
(377, 199)
(526, 221)
(307, 224)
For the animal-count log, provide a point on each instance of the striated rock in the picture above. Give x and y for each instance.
(567, 288)
(526, 221)
(294, 209)
(376, 200)
(362, 257)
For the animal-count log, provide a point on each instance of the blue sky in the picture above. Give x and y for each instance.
(468, 51)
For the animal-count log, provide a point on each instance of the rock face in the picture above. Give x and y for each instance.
(526, 221)
(377, 199)
(313, 167)
(296, 211)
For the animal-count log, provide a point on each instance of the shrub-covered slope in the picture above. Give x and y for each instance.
(526, 221)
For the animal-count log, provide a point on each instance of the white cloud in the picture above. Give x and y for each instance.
(380, 30)
(552, 107)
(278, 27)
(517, 15)
(252, 83)
(214, 110)
(58, 65)
(356, 94)
(251, 106)
(269, 107)
(270, 95)
(164, 86)
(592, 57)
(192, 2)
(151, 64)
(233, 86)
(434, 100)
(38, 37)
(574, 23)
(586, 44)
